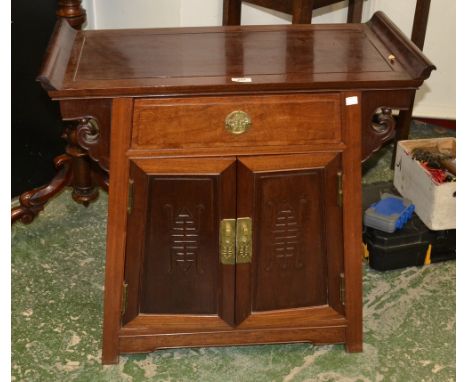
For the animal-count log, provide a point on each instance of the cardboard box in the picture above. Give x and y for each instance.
(435, 203)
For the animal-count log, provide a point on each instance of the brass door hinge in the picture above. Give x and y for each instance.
(339, 176)
(131, 191)
(342, 289)
(123, 308)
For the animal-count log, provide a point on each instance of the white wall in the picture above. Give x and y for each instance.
(435, 99)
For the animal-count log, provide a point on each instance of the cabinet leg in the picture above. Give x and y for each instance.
(110, 355)
(32, 202)
(402, 129)
(354, 347)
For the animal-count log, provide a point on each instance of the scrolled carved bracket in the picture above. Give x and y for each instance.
(82, 134)
(87, 132)
(380, 130)
(385, 123)
(92, 119)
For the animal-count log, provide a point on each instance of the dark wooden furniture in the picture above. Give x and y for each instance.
(301, 10)
(77, 169)
(234, 157)
(36, 124)
(418, 35)
(421, 16)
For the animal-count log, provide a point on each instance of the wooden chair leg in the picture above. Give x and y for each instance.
(302, 11)
(402, 129)
(418, 35)
(355, 11)
(232, 12)
(421, 15)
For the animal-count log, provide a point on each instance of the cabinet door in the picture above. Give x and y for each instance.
(172, 263)
(297, 233)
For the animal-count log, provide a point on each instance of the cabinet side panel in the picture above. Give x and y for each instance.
(352, 223)
(180, 266)
(116, 228)
(291, 260)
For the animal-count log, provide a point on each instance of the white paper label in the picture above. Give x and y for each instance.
(351, 100)
(241, 79)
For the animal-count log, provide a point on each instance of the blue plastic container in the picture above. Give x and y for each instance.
(389, 214)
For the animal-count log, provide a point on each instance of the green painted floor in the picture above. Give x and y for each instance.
(57, 289)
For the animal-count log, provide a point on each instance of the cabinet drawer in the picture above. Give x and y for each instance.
(205, 121)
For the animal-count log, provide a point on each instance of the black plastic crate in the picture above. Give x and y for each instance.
(403, 248)
(443, 245)
(408, 246)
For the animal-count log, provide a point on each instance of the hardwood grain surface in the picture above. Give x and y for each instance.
(162, 61)
(116, 233)
(200, 122)
(151, 342)
(352, 223)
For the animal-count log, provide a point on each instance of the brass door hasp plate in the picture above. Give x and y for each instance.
(227, 241)
(244, 241)
(235, 241)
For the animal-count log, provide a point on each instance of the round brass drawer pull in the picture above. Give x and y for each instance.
(237, 122)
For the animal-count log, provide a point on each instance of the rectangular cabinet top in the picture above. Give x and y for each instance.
(217, 60)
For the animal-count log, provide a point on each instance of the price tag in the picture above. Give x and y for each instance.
(241, 79)
(352, 100)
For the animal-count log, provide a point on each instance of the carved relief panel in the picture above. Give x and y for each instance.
(277, 252)
(172, 264)
(289, 197)
(289, 244)
(178, 248)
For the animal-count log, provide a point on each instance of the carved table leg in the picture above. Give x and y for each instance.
(76, 170)
(100, 177)
(32, 202)
(84, 187)
(72, 11)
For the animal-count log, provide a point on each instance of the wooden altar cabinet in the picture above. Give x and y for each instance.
(234, 158)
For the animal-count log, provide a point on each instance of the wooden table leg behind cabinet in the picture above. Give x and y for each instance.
(75, 169)
(72, 11)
